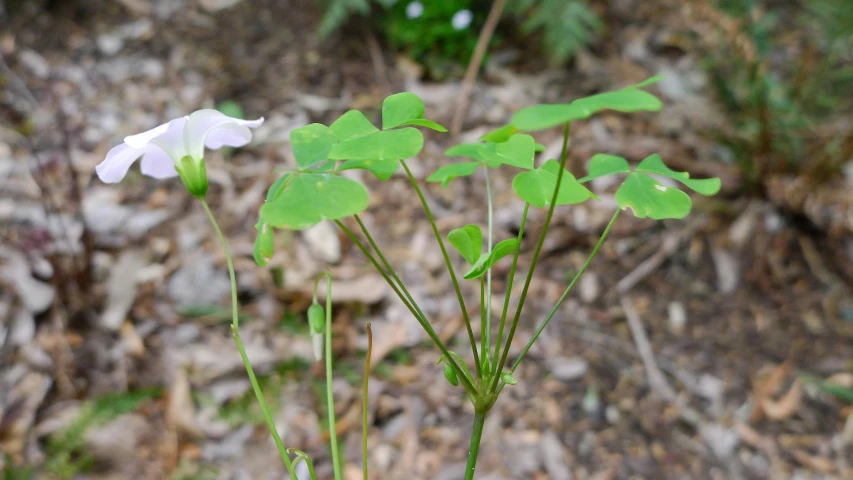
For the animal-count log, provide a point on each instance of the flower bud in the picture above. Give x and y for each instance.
(316, 318)
(194, 175)
(450, 374)
(263, 251)
(508, 379)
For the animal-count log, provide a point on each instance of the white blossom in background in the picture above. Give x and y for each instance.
(461, 19)
(177, 148)
(414, 10)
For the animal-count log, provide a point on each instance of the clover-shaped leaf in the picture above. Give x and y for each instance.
(643, 194)
(536, 187)
(540, 117)
(406, 109)
(648, 198)
(447, 173)
(350, 125)
(518, 151)
(500, 135)
(308, 199)
(602, 164)
(654, 164)
(311, 144)
(468, 241)
(382, 169)
(384, 145)
(488, 259)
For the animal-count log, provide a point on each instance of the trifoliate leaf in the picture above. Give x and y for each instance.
(277, 187)
(350, 125)
(311, 198)
(540, 117)
(602, 164)
(537, 186)
(447, 173)
(654, 164)
(311, 144)
(468, 241)
(648, 198)
(385, 145)
(518, 151)
(488, 259)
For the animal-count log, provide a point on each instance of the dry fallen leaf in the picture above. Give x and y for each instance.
(786, 405)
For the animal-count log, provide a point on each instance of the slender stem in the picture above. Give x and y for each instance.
(330, 394)
(566, 291)
(300, 455)
(364, 401)
(469, 387)
(235, 326)
(490, 220)
(474, 446)
(509, 281)
(563, 156)
(388, 266)
(449, 267)
(484, 333)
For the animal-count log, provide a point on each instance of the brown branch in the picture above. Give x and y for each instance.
(474, 65)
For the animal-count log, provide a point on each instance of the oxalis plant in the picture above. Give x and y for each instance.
(315, 191)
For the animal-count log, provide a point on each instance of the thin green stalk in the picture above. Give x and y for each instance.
(474, 445)
(449, 264)
(563, 156)
(509, 281)
(388, 266)
(489, 225)
(566, 292)
(330, 395)
(484, 333)
(364, 398)
(235, 326)
(300, 455)
(469, 387)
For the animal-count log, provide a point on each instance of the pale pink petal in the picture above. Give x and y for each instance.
(157, 163)
(229, 134)
(141, 139)
(118, 161)
(171, 140)
(203, 122)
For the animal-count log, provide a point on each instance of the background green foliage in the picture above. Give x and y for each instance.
(561, 26)
(784, 91)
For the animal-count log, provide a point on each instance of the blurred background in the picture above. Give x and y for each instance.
(720, 346)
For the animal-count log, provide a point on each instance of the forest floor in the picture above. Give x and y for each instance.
(689, 349)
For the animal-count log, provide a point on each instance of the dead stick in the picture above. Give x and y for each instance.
(474, 65)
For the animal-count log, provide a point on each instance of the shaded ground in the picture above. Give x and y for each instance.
(735, 302)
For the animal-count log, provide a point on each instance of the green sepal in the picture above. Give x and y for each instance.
(194, 175)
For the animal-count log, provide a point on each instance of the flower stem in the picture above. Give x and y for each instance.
(566, 291)
(235, 326)
(563, 156)
(388, 266)
(474, 446)
(469, 387)
(330, 394)
(364, 398)
(489, 226)
(449, 267)
(509, 281)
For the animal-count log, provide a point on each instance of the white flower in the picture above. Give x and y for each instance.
(164, 147)
(414, 10)
(461, 19)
